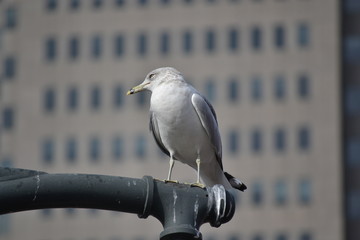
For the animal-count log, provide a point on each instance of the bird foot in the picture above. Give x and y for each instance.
(171, 181)
(197, 184)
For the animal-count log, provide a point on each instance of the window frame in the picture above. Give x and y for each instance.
(48, 150)
(95, 97)
(71, 149)
(8, 118)
(279, 36)
(188, 41)
(49, 100)
(210, 40)
(10, 67)
(95, 149)
(142, 44)
(50, 48)
(256, 38)
(96, 46)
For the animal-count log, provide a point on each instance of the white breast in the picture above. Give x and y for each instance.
(179, 125)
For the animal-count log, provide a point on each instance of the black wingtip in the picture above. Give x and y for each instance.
(243, 187)
(235, 183)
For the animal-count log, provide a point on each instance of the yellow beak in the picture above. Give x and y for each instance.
(136, 89)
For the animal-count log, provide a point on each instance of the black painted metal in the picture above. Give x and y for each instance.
(181, 208)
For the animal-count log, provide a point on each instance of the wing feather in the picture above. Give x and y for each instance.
(209, 122)
(154, 128)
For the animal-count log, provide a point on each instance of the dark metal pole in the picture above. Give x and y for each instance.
(180, 208)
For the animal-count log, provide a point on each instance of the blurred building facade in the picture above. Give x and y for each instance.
(351, 115)
(271, 68)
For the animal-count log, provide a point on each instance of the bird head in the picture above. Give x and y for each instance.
(156, 77)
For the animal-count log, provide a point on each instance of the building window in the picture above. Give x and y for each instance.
(305, 236)
(256, 38)
(304, 138)
(51, 5)
(95, 98)
(210, 40)
(7, 162)
(281, 192)
(188, 41)
(280, 140)
(50, 49)
(94, 149)
(49, 100)
(142, 44)
(234, 142)
(281, 236)
(164, 43)
(94, 212)
(233, 40)
(142, 2)
(8, 118)
(257, 194)
(119, 3)
(257, 236)
(9, 68)
(353, 205)
(73, 98)
(119, 45)
(46, 213)
(233, 90)
(118, 96)
(279, 87)
(10, 18)
(141, 99)
(234, 236)
(352, 99)
(256, 89)
(74, 4)
(5, 224)
(96, 46)
(71, 149)
(353, 152)
(352, 6)
(70, 211)
(303, 35)
(256, 141)
(279, 36)
(97, 3)
(304, 192)
(140, 147)
(117, 148)
(303, 86)
(165, 2)
(210, 90)
(48, 150)
(74, 47)
(352, 49)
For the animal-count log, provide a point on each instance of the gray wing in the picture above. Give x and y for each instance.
(209, 122)
(154, 128)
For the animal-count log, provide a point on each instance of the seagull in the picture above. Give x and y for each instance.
(185, 127)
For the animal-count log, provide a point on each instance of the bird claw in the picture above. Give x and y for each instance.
(200, 185)
(170, 181)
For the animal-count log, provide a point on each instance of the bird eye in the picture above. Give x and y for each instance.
(152, 75)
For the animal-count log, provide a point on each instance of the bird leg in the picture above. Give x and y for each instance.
(198, 170)
(171, 162)
(198, 184)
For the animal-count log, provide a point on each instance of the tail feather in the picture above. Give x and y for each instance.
(235, 183)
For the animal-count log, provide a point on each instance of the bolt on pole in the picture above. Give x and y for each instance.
(180, 208)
